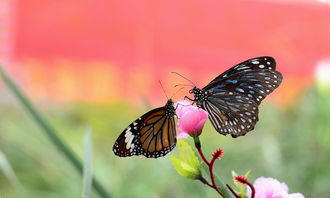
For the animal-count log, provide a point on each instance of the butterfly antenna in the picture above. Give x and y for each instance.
(184, 85)
(183, 77)
(177, 92)
(163, 89)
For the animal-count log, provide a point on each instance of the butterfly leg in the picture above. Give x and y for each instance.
(188, 98)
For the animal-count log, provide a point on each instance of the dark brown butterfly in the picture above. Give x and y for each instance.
(152, 135)
(232, 98)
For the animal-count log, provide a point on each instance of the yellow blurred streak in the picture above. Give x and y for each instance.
(64, 85)
(36, 78)
(99, 82)
(289, 90)
(140, 83)
(70, 80)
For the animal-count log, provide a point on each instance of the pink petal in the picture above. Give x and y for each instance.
(191, 119)
(271, 188)
(296, 195)
(200, 125)
(182, 135)
(181, 107)
(281, 194)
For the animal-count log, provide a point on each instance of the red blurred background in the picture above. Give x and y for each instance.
(100, 51)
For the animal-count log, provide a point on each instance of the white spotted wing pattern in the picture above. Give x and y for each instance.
(232, 98)
(152, 135)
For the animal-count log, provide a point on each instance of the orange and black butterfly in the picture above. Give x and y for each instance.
(152, 135)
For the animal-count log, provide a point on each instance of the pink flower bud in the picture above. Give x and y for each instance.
(191, 119)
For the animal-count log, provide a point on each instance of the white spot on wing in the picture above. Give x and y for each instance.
(255, 62)
(242, 68)
(128, 133)
(128, 145)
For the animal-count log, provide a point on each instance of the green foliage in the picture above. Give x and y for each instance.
(289, 144)
(49, 131)
(87, 167)
(187, 164)
(8, 171)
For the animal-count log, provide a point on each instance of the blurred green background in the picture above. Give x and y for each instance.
(289, 144)
(97, 64)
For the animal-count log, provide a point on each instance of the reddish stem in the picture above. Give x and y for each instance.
(212, 176)
(204, 181)
(252, 189)
(202, 156)
(232, 191)
(209, 164)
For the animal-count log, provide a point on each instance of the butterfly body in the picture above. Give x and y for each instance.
(232, 98)
(152, 135)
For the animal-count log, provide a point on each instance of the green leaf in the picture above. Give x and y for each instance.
(8, 171)
(87, 169)
(187, 164)
(49, 131)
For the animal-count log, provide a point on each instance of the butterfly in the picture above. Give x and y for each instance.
(152, 135)
(232, 98)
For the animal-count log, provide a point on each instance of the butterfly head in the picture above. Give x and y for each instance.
(199, 94)
(170, 110)
(169, 103)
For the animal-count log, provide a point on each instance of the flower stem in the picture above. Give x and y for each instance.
(204, 181)
(212, 176)
(253, 191)
(199, 149)
(225, 193)
(223, 188)
(232, 191)
(244, 180)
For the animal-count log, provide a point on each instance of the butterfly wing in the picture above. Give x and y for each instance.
(231, 113)
(264, 62)
(233, 97)
(255, 84)
(152, 135)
